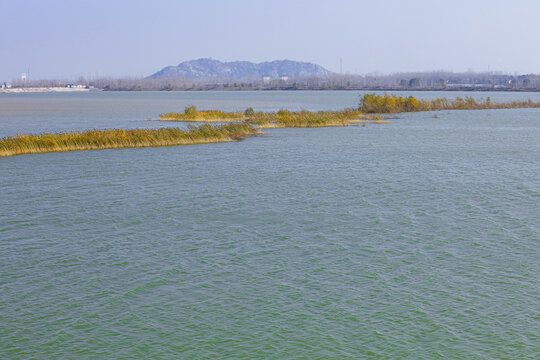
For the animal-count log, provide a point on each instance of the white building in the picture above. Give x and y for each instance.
(284, 78)
(266, 79)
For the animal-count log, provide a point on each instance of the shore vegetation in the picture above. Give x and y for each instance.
(238, 124)
(115, 138)
(279, 119)
(192, 114)
(384, 104)
(304, 118)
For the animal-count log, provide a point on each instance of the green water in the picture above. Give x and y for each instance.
(416, 239)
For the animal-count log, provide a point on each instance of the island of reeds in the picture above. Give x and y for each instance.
(278, 119)
(238, 124)
(116, 138)
(385, 104)
(191, 114)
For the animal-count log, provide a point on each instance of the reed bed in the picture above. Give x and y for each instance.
(384, 104)
(240, 125)
(191, 114)
(114, 138)
(304, 118)
(279, 119)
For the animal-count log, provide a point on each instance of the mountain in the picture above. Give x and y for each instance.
(209, 68)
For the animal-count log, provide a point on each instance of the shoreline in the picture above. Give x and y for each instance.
(221, 89)
(453, 89)
(50, 89)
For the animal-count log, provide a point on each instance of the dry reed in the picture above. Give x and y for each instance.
(377, 104)
(191, 114)
(279, 119)
(115, 138)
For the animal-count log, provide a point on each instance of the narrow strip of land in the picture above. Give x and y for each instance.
(386, 104)
(279, 119)
(115, 138)
(43, 90)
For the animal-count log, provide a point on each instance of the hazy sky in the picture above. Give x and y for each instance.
(67, 39)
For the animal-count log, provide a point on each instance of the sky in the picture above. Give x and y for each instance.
(67, 39)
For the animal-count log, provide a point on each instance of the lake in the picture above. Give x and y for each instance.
(418, 238)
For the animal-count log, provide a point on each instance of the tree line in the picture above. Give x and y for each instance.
(436, 80)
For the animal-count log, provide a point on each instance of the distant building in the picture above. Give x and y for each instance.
(6, 85)
(266, 79)
(284, 78)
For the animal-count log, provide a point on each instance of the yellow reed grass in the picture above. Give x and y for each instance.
(371, 104)
(191, 114)
(279, 119)
(115, 138)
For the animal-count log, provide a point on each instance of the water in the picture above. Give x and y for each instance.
(414, 239)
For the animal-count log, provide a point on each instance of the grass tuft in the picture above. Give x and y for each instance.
(191, 114)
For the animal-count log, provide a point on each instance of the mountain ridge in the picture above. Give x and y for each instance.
(206, 68)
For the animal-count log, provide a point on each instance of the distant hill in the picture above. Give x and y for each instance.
(209, 68)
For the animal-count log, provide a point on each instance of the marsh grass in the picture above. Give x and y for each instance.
(191, 114)
(384, 104)
(240, 125)
(110, 139)
(304, 118)
(279, 119)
